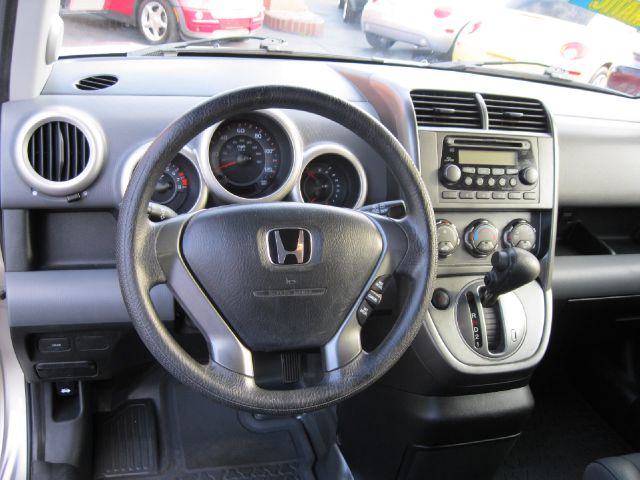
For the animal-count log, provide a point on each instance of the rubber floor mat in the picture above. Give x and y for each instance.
(561, 438)
(199, 439)
(127, 441)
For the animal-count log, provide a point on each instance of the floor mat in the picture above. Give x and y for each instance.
(562, 437)
(199, 439)
(126, 441)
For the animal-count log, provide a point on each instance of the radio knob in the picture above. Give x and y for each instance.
(451, 173)
(481, 238)
(521, 234)
(529, 175)
(448, 239)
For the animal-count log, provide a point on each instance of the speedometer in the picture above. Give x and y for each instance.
(245, 157)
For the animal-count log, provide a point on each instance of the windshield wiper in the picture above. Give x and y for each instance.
(549, 71)
(551, 74)
(267, 44)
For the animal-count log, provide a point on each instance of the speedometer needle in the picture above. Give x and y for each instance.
(228, 164)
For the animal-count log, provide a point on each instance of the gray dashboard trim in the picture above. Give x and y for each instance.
(599, 164)
(392, 104)
(195, 76)
(14, 425)
(73, 297)
(588, 276)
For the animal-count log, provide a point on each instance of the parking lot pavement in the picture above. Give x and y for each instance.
(93, 34)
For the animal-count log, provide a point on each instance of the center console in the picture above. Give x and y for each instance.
(456, 403)
(491, 191)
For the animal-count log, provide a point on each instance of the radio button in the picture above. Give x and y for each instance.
(468, 181)
(499, 195)
(483, 195)
(513, 182)
(468, 170)
(466, 195)
(479, 181)
(484, 171)
(502, 182)
(515, 196)
(449, 194)
(529, 196)
(491, 182)
(529, 175)
(512, 171)
(451, 173)
(497, 171)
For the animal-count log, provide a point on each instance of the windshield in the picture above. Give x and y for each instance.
(520, 37)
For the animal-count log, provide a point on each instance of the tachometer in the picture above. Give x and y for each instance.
(324, 183)
(245, 157)
(332, 176)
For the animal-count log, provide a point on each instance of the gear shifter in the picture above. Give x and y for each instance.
(512, 268)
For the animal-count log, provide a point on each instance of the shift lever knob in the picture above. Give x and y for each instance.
(512, 268)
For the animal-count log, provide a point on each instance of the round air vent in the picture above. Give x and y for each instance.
(61, 153)
(96, 82)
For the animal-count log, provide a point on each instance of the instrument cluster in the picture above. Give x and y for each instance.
(259, 157)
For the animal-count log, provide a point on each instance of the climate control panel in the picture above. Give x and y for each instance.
(481, 237)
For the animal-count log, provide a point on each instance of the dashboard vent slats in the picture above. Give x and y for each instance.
(58, 151)
(510, 113)
(96, 82)
(446, 109)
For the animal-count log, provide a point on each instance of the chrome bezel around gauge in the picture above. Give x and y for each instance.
(328, 148)
(295, 142)
(186, 152)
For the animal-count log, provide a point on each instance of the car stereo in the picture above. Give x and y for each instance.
(497, 168)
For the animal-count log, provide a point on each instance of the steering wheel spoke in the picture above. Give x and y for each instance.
(345, 346)
(225, 348)
(149, 270)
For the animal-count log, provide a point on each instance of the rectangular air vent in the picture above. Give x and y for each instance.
(446, 109)
(511, 113)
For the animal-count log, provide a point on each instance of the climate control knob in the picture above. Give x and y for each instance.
(448, 238)
(529, 175)
(451, 173)
(521, 234)
(481, 238)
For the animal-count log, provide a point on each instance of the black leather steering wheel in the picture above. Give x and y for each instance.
(223, 265)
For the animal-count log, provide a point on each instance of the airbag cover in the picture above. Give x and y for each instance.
(274, 307)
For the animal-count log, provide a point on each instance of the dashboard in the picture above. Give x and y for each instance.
(499, 157)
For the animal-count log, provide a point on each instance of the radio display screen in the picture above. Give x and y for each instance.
(486, 157)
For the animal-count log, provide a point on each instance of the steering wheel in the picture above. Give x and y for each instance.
(276, 277)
